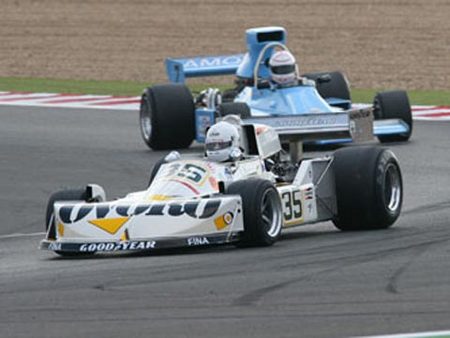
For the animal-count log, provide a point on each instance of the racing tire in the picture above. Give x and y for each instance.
(393, 104)
(62, 195)
(262, 211)
(234, 108)
(369, 189)
(337, 87)
(167, 117)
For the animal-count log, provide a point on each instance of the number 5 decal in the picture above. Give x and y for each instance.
(192, 172)
(292, 205)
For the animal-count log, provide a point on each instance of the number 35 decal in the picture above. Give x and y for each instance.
(292, 205)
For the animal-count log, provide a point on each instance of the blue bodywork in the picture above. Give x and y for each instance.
(241, 65)
(270, 100)
(284, 101)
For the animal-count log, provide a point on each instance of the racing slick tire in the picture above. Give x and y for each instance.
(262, 211)
(336, 87)
(393, 104)
(234, 108)
(369, 189)
(62, 195)
(167, 117)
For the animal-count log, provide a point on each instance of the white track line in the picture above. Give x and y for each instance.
(18, 235)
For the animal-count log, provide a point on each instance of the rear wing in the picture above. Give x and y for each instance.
(355, 124)
(180, 69)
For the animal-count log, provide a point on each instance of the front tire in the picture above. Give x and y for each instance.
(263, 215)
(369, 188)
(393, 104)
(337, 87)
(62, 195)
(234, 108)
(167, 117)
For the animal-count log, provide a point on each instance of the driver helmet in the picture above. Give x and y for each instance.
(283, 67)
(222, 139)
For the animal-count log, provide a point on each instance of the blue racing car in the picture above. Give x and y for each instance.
(313, 107)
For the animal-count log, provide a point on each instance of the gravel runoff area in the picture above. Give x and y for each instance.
(378, 43)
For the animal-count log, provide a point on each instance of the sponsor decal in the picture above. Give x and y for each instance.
(223, 221)
(306, 121)
(54, 246)
(121, 246)
(292, 206)
(194, 241)
(309, 193)
(186, 174)
(206, 62)
(112, 223)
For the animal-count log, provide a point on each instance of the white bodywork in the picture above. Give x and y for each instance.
(185, 204)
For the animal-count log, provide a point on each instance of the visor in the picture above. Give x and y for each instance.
(281, 70)
(213, 146)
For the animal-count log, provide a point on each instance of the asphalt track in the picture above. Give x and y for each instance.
(315, 282)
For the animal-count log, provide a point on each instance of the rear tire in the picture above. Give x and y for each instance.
(167, 117)
(369, 188)
(393, 104)
(263, 215)
(62, 195)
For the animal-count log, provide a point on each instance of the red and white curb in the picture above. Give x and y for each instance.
(69, 100)
(428, 113)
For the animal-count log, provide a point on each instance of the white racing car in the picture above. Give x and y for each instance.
(193, 201)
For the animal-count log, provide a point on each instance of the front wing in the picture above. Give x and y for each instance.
(131, 225)
(140, 245)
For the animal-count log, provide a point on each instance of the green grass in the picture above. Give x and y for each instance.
(72, 86)
(419, 97)
(128, 88)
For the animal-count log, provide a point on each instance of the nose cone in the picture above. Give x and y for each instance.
(185, 179)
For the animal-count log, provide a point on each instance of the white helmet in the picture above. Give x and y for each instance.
(282, 67)
(221, 140)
